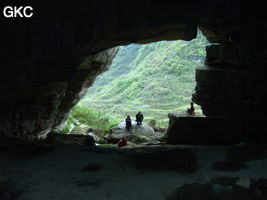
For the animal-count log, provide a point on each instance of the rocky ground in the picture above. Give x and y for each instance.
(156, 172)
(139, 134)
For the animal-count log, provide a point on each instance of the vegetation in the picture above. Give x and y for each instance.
(156, 79)
(93, 118)
(244, 144)
(67, 128)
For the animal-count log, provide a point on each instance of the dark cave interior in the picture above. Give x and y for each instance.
(49, 60)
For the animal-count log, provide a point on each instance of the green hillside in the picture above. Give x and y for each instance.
(154, 78)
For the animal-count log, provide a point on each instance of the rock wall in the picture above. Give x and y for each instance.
(231, 91)
(214, 130)
(233, 80)
(34, 108)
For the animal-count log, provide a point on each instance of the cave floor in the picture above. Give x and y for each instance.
(73, 172)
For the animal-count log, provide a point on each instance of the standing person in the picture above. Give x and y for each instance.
(191, 110)
(128, 122)
(139, 118)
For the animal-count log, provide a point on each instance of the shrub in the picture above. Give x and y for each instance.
(67, 128)
(92, 118)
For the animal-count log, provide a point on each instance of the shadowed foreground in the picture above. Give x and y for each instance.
(66, 172)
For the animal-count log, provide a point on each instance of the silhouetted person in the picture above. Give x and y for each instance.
(128, 122)
(191, 110)
(139, 118)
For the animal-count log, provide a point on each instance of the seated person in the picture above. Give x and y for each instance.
(122, 142)
(139, 118)
(191, 110)
(128, 122)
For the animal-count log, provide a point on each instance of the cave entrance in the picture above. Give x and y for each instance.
(156, 79)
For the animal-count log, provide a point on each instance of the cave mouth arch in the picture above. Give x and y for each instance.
(155, 78)
(43, 75)
(166, 60)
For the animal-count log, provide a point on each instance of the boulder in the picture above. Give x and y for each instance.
(144, 129)
(138, 134)
(98, 132)
(83, 129)
(162, 129)
(80, 129)
(214, 130)
(96, 138)
(186, 114)
(243, 182)
(152, 124)
(80, 139)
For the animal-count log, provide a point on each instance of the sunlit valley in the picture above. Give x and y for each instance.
(156, 78)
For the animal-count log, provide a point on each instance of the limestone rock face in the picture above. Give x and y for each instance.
(231, 91)
(234, 78)
(214, 130)
(244, 51)
(32, 109)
